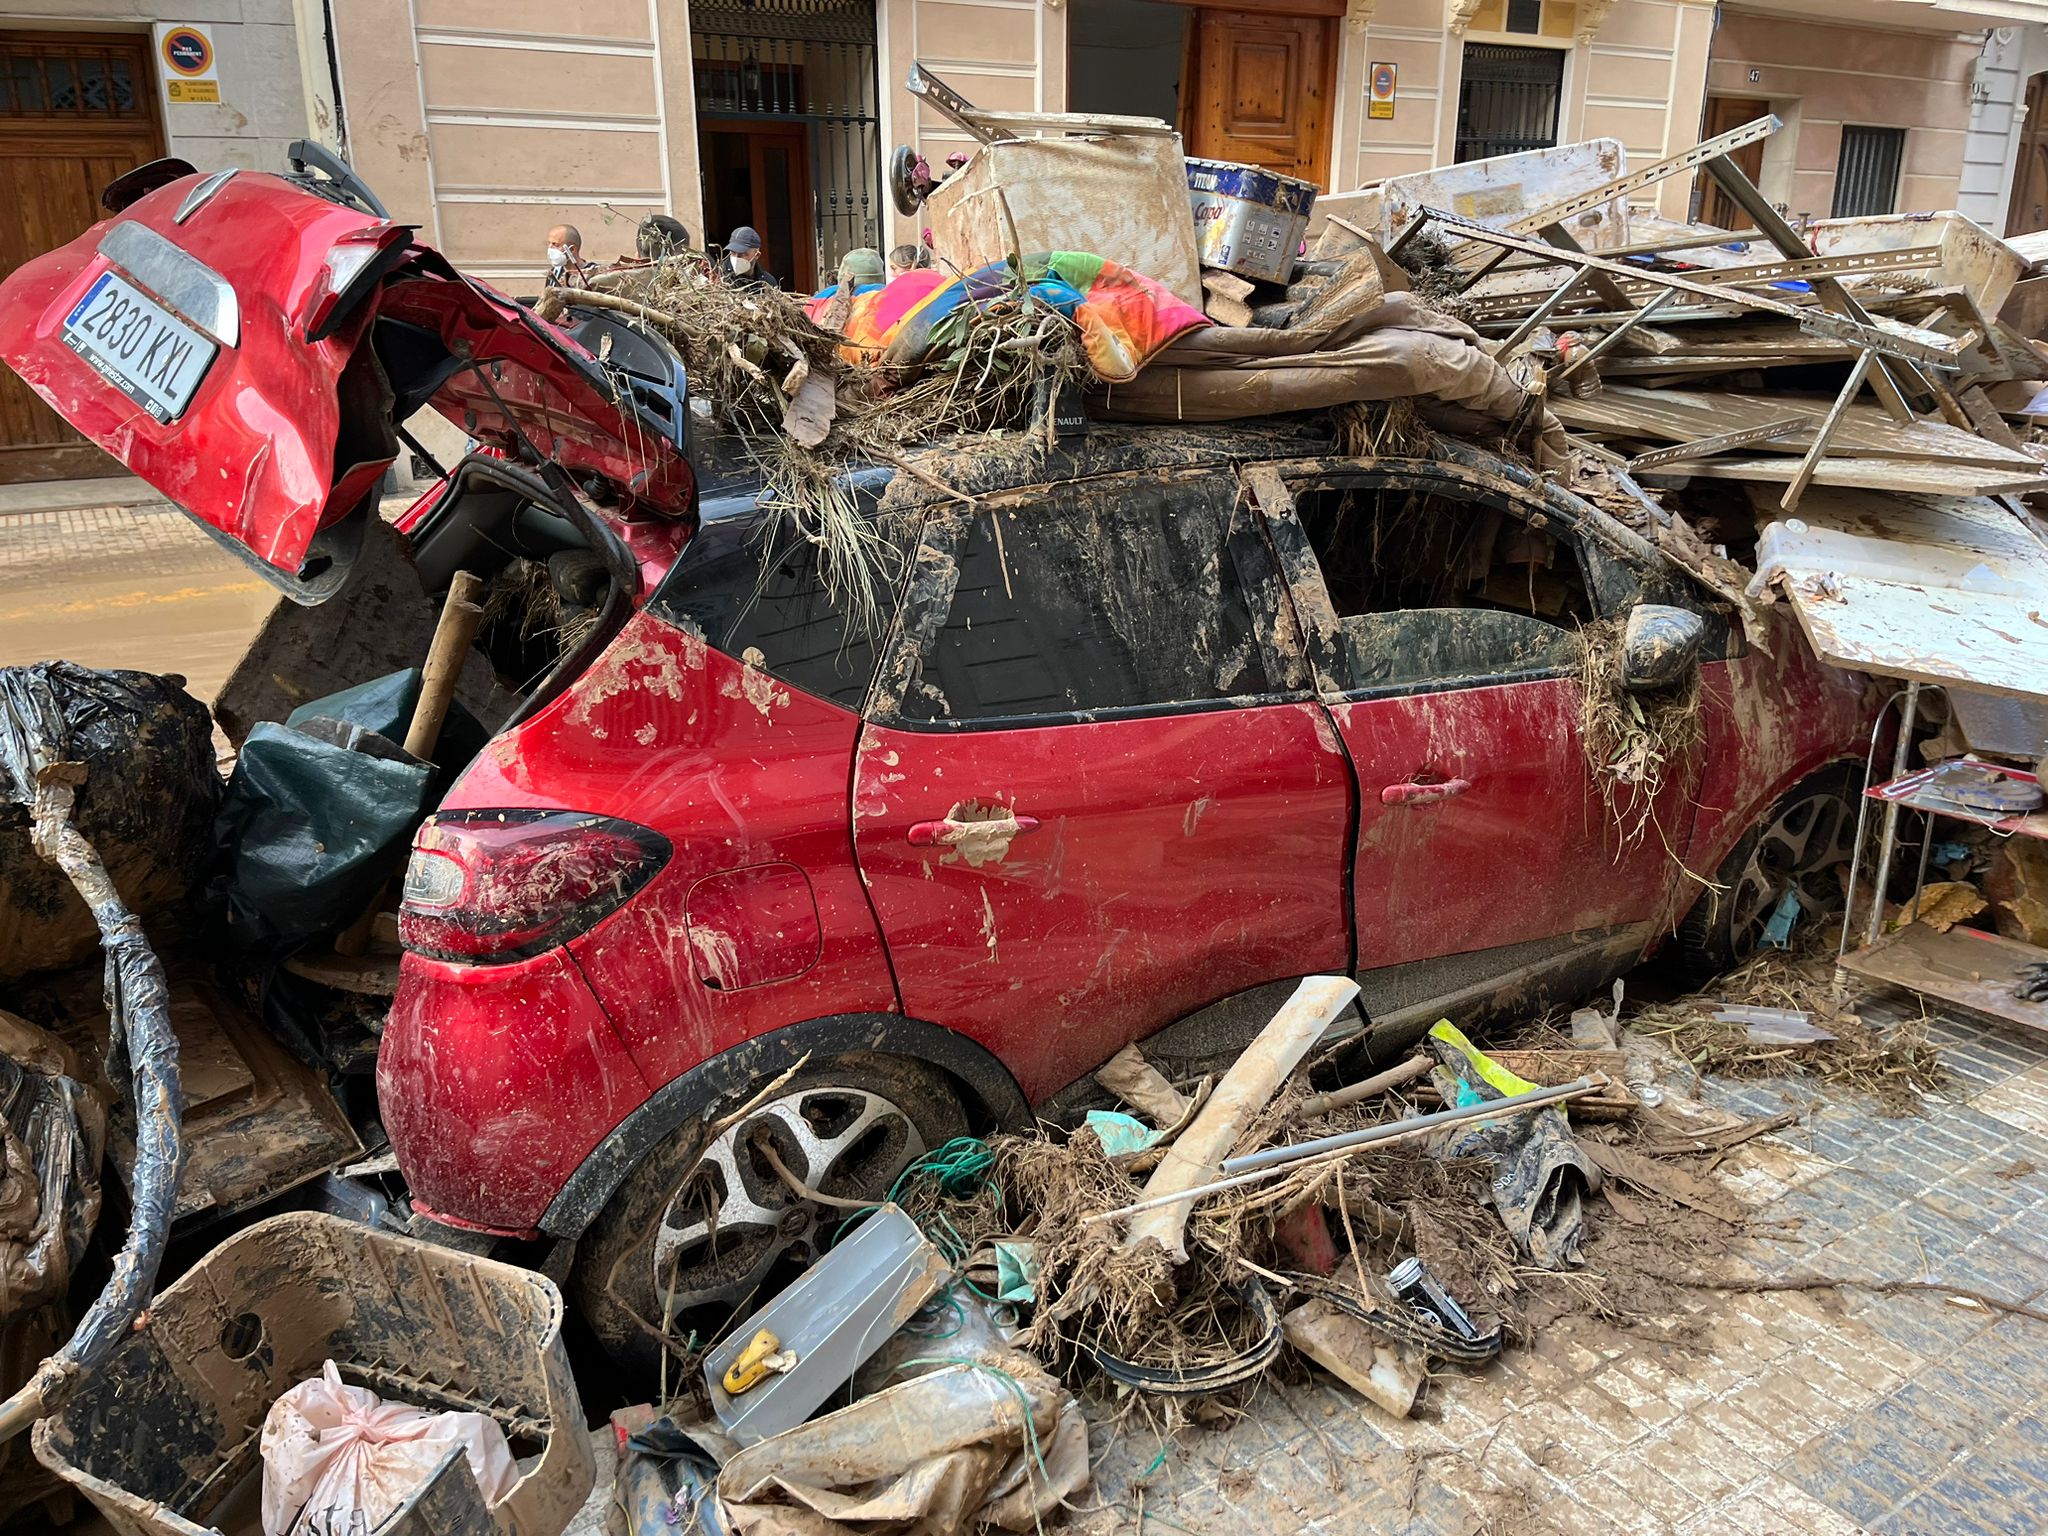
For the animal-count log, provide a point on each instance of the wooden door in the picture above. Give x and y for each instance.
(1262, 90)
(759, 173)
(2029, 209)
(75, 112)
(1724, 113)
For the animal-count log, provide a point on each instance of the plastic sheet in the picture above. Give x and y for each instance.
(52, 1136)
(40, 770)
(339, 1460)
(983, 1437)
(1539, 1177)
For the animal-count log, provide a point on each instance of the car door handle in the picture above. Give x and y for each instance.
(1423, 794)
(933, 834)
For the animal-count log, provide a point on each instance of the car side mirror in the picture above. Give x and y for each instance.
(1660, 646)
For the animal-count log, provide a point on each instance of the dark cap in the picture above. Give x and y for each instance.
(745, 238)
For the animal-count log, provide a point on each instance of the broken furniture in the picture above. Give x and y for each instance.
(1910, 302)
(1113, 186)
(163, 1440)
(1983, 973)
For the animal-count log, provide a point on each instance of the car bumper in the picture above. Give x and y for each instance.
(495, 1082)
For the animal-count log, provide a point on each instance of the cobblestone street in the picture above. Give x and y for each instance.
(1820, 1412)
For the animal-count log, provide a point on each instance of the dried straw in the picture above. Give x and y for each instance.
(1631, 740)
(992, 365)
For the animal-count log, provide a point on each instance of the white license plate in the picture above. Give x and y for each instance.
(138, 346)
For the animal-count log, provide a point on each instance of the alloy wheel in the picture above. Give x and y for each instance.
(736, 1232)
(1800, 851)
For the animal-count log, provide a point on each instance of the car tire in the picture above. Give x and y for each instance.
(1801, 843)
(847, 1127)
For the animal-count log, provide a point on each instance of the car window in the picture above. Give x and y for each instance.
(1117, 594)
(1434, 586)
(758, 585)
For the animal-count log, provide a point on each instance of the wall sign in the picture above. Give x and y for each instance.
(190, 68)
(1380, 95)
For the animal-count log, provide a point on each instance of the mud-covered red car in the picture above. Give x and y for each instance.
(1122, 738)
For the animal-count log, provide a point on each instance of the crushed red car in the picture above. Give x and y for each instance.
(1114, 746)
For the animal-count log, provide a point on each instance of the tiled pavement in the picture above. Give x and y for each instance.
(1806, 1413)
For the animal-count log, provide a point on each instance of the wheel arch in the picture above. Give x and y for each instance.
(1739, 827)
(992, 1095)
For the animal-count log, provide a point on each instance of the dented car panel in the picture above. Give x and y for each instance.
(1772, 718)
(1170, 861)
(328, 324)
(283, 438)
(741, 772)
(495, 1082)
(1523, 850)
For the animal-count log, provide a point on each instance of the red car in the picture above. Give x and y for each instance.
(1113, 747)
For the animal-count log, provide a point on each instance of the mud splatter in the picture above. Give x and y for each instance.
(981, 834)
(643, 662)
(718, 958)
(756, 685)
(988, 925)
(1193, 816)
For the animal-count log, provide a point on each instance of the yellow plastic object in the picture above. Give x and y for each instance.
(749, 1370)
(1496, 1074)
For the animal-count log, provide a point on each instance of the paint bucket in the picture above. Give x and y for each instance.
(1248, 220)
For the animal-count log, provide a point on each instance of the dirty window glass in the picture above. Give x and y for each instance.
(1431, 587)
(1093, 596)
(755, 585)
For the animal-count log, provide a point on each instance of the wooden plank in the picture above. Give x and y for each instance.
(1803, 477)
(1870, 474)
(1679, 416)
(1985, 418)
(1966, 967)
(1504, 187)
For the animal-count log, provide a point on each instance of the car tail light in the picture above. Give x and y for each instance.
(487, 887)
(355, 264)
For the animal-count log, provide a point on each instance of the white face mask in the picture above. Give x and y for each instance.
(558, 257)
(741, 263)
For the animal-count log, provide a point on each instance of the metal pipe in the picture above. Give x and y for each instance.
(1332, 1148)
(1272, 1157)
(1908, 714)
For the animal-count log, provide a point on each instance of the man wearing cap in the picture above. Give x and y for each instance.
(742, 262)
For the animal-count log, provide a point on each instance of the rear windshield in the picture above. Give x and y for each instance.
(754, 582)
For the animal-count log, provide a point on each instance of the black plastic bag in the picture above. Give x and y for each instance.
(314, 821)
(146, 805)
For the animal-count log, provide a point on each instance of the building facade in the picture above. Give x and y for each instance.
(92, 88)
(486, 121)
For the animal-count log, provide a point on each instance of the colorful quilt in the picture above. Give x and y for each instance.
(1124, 317)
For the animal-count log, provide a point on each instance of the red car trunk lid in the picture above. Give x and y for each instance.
(264, 410)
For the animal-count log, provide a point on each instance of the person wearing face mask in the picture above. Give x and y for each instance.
(566, 266)
(742, 261)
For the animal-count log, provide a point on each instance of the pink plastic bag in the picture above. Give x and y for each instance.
(339, 1461)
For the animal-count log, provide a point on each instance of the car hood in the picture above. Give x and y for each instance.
(330, 326)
